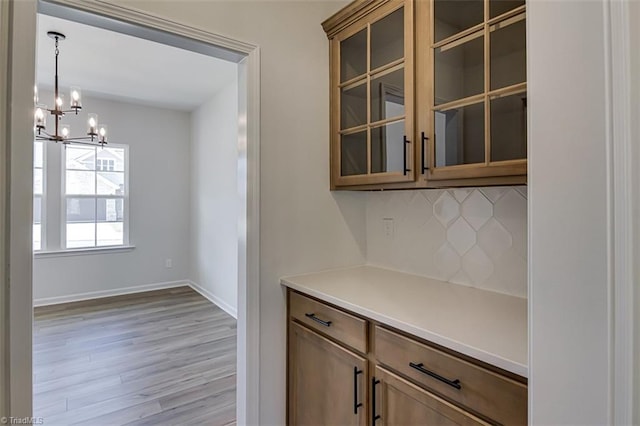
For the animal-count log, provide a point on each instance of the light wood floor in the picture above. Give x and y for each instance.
(155, 358)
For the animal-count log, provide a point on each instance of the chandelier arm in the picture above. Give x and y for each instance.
(86, 142)
(48, 135)
(79, 138)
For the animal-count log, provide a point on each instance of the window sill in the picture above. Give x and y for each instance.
(82, 251)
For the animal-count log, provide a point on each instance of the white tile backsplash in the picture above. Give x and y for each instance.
(475, 237)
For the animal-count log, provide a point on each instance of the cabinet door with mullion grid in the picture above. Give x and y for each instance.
(372, 98)
(474, 109)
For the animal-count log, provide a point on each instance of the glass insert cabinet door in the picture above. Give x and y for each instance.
(372, 98)
(474, 52)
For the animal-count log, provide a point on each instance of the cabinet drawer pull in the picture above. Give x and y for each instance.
(404, 155)
(424, 144)
(420, 367)
(316, 319)
(374, 416)
(356, 404)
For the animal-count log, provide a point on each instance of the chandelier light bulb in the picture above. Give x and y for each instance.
(93, 125)
(103, 133)
(65, 131)
(35, 94)
(40, 117)
(76, 96)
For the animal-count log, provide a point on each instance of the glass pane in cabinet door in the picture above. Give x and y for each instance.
(459, 70)
(387, 39)
(453, 16)
(460, 135)
(387, 96)
(387, 148)
(508, 54)
(353, 154)
(353, 56)
(498, 7)
(353, 106)
(509, 128)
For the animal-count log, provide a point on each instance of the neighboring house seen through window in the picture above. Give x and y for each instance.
(105, 165)
(95, 196)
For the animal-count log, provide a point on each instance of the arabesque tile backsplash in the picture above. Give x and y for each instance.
(470, 236)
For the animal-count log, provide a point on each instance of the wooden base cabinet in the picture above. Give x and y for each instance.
(346, 370)
(327, 383)
(399, 402)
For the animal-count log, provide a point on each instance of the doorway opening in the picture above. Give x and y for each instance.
(244, 57)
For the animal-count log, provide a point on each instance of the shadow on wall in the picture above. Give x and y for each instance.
(354, 215)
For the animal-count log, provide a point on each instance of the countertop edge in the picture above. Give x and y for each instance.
(481, 355)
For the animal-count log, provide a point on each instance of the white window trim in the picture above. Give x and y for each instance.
(83, 251)
(63, 210)
(43, 202)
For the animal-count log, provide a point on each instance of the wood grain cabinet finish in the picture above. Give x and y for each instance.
(469, 385)
(327, 382)
(427, 93)
(345, 328)
(399, 402)
(396, 380)
(372, 96)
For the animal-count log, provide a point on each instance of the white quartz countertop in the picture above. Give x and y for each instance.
(488, 326)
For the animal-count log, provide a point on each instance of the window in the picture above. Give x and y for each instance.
(95, 196)
(38, 190)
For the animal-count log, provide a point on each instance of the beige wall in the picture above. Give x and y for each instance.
(4, 53)
(304, 227)
(634, 25)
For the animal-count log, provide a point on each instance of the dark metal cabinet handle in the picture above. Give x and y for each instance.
(404, 157)
(316, 319)
(420, 367)
(374, 416)
(356, 404)
(424, 145)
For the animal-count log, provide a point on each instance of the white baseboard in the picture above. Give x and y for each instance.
(108, 293)
(214, 299)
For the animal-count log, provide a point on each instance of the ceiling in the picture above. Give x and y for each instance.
(116, 66)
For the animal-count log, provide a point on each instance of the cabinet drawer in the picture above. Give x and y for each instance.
(344, 327)
(486, 392)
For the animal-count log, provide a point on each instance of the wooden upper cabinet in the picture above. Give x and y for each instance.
(428, 93)
(474, 105)
(372, 110)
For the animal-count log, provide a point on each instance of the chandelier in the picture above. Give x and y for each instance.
(96, 134)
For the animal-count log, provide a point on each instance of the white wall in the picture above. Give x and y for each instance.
(158, 142)
(474, 237)
(304, 227)
(214, 208)
(568, 281)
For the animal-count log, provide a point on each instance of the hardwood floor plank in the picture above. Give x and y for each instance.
(160, 357)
